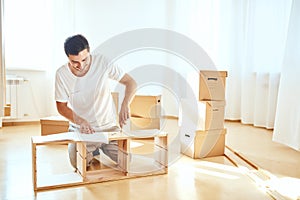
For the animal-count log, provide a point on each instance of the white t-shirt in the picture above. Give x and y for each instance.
(90, 96)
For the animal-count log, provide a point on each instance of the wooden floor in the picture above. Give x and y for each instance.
(255, 168)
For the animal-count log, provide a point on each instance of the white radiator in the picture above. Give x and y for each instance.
(13, 83)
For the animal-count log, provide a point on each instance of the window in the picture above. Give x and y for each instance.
(28, 34)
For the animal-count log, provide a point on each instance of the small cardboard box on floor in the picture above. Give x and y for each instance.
(202, 144)
(145, 112)
(212, 85)
(54, 124)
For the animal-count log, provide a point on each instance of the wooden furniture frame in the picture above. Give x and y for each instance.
(83, 176)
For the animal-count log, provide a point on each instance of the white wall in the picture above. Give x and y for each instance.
(101, 20)
(98, 21)
(32, 95)
(110, 19)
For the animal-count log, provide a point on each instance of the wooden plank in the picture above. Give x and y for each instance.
(59, 181)
(81, 148)
(34, 170)
(81, 165)
(162, 141)
(104, 174)
(161, 156)
(123, 148)
(161, 150)
(69, 180)
(243, 158)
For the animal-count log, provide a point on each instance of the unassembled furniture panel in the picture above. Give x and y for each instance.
(83, 175)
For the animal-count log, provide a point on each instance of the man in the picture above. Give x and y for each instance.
(83, 96)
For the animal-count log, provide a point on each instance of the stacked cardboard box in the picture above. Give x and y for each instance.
(202, 131)
(145, 112)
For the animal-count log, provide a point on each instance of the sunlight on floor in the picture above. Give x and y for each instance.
(217, 174)
(213, 169)
(239, 169)
(218, 170)
(278, 188)
(286, 186)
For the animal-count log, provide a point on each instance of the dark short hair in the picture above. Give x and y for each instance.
(75, 44)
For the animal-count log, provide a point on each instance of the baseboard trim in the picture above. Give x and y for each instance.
(21, 123)
(170, 117)
(233, 120)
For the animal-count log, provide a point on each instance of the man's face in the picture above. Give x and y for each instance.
(81, 61)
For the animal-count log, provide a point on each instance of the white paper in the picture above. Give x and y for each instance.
(102, 137)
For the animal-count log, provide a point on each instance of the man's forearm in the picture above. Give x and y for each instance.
(68, 113)
(130, 89)
(129, 93)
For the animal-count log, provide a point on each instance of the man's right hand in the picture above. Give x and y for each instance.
(86, 128)
(68, 113)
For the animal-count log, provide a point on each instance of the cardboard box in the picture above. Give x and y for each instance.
(7, 110)
(54, 124)
(212, 85)
(140, 123)
(202, 144)
(202, 115)
(146, 106)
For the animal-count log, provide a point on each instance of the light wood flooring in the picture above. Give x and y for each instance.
(254, 168)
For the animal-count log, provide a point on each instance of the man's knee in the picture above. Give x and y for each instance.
(111, 150)
(72, 154)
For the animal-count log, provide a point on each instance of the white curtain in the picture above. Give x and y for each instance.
(262, 40)
(2, 66)
(287, 123)
(246, 38)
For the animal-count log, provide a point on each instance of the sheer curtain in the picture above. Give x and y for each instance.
(287, 123)
(262, 29)
(63, 25)
(246, 38)
(2, 66)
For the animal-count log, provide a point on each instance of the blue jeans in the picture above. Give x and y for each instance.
(92, 148)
